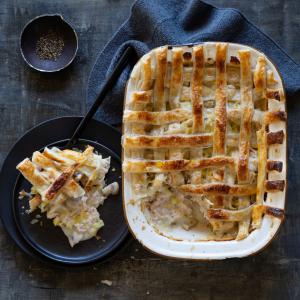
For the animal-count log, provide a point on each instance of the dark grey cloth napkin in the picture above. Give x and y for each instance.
(159, 22)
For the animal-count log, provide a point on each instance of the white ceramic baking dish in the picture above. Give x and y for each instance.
(196, 243)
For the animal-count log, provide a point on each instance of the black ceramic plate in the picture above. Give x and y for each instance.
(47, 239)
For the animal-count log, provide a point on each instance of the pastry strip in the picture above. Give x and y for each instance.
(179, 115)
(247, 112)
(274, 185)
(141, 97)
(33, 175)
(275, 94)
(197, 105)
(157, 118)
(146, 74)
(196, 89)
(176, 141)
(216, 189)
(220, 126)
(139, 180)
(275, 137)
(274, 116)
(176, 78)
(240, 215)
(274, 165)
(220, 109)
(161, 70)
(174, 98)
(154, 166)
(261, 174)
(59, 183)
(260, 82)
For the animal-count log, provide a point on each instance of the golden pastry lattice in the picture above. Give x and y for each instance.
(199, 125)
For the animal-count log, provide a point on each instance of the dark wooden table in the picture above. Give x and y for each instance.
(28, 97)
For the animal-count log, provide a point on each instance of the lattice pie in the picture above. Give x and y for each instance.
(204, 138)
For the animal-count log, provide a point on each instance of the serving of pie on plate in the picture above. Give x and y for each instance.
(204, 151)
(69, 185)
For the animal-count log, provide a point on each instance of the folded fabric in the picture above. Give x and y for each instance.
(155, 23)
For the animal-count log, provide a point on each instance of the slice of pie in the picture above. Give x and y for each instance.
(205, 138)
(69, 186)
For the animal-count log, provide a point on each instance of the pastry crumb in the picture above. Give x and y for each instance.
(23, 194)
(132, 202)
(106, 282)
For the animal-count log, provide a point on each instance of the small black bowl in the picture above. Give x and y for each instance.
(39, 26)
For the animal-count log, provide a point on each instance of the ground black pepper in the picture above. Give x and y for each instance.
(50, 45)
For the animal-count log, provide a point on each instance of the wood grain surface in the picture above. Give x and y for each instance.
(28, 97)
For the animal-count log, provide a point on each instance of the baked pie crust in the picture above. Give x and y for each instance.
(204, 139)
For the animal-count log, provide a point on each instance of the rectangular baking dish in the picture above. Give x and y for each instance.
(197, 243)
